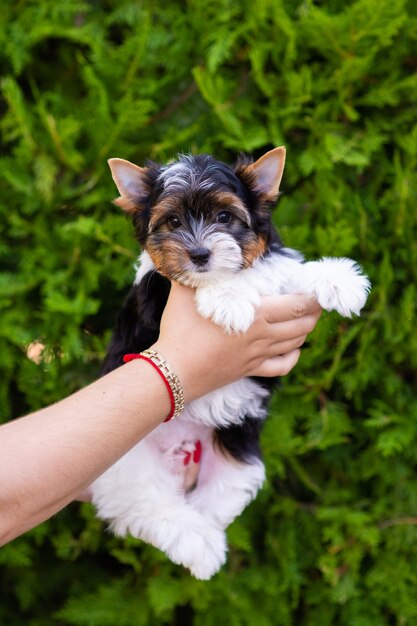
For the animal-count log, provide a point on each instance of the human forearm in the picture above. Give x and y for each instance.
(50, 456)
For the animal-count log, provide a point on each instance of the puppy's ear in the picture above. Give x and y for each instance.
(130, 180)
(267, 172)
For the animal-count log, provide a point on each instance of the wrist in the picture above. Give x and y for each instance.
(143, 380)
(183, 368)
(167, 375)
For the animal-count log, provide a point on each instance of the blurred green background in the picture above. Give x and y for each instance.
(332, 538)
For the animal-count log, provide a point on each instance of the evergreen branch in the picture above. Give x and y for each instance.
(303, 476)
(399, 521)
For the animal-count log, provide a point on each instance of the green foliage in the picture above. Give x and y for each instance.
(332, 538)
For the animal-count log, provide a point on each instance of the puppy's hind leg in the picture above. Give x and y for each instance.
(139, 496)
(183, 534)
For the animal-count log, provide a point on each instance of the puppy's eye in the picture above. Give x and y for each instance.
(223, 217)
(174, 221)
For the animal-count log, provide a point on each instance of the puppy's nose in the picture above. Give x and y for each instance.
(199, 256)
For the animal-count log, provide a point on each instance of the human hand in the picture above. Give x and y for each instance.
(205, 357)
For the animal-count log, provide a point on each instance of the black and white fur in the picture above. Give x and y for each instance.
(206, 225)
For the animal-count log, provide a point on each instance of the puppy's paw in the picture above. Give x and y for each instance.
(202, 551)
(338, 284)
(344, 287)
(185, 536)
(233, 311)
(234, 316)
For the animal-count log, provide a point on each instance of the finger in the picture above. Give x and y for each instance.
(283, 331)
(278, 366)
(284, 347)
(288, 307)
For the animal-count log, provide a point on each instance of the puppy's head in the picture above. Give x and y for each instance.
(198, 218)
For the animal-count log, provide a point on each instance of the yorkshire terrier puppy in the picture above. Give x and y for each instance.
(208, 226)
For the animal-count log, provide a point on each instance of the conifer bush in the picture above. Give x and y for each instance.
(332, 538)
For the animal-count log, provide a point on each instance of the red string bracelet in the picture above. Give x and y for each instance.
(170, 379)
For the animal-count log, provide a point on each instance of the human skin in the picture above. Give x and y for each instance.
(50, 457)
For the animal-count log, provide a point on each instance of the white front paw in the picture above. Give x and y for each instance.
(233, 311)
(345, 289)
(338, 284)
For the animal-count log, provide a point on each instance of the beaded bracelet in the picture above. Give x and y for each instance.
(169, 377)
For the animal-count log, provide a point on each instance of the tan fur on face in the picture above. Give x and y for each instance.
(253, 249)
(160, 212)
(169, 257)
